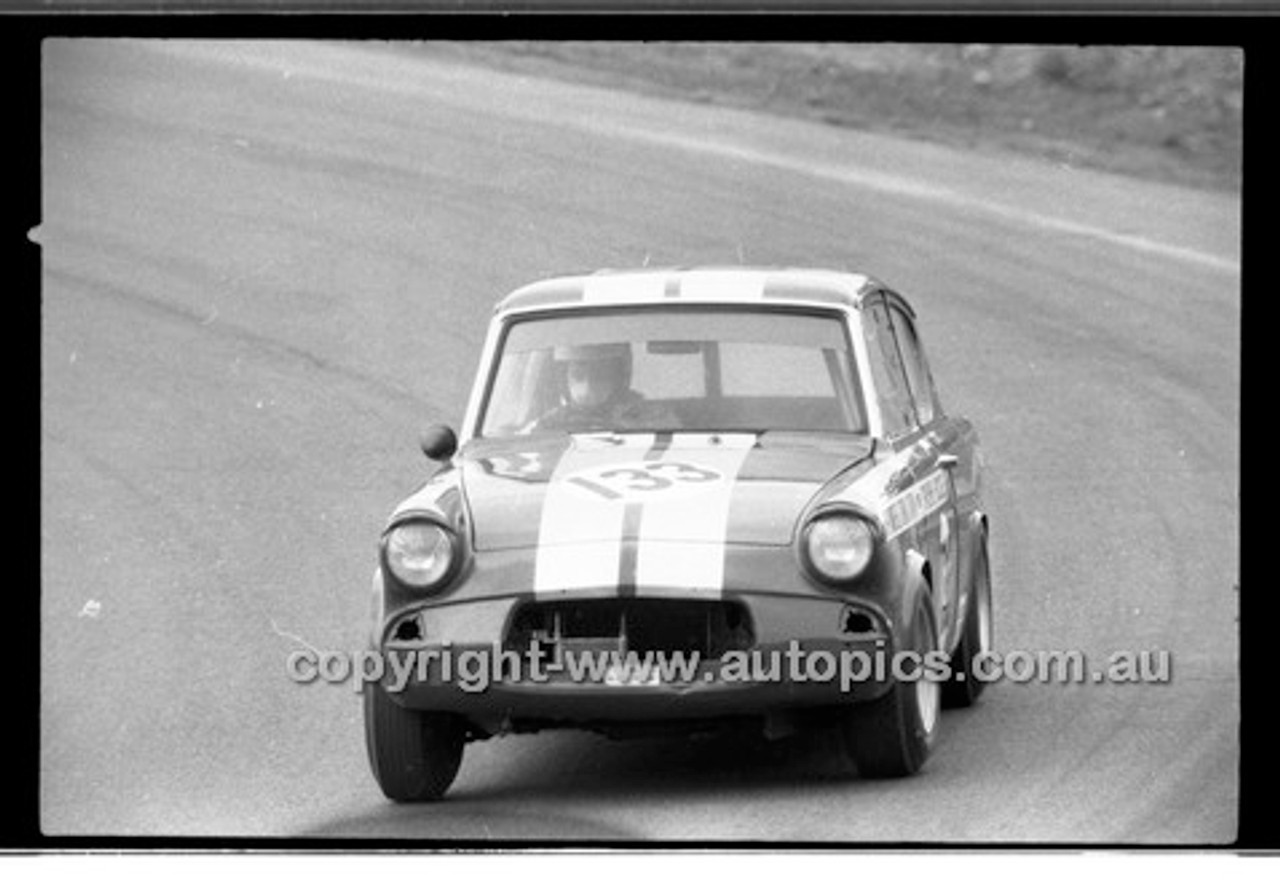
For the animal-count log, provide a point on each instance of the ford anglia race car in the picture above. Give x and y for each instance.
(681, 499)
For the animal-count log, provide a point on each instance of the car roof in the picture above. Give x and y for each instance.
(694, 285)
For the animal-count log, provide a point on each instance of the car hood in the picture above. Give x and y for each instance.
(692, 488)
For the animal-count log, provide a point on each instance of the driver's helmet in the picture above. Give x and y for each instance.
(595, 373)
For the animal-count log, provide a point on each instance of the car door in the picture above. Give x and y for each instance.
(944, 450)
(912, 426)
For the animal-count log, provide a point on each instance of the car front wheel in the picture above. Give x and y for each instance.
(414, 755)
(893, 736)
(964, 687)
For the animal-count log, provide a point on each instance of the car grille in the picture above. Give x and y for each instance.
(641, 625)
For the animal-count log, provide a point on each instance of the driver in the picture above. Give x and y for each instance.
(597, 392)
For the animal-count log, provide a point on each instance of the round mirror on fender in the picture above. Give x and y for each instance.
(439, 442)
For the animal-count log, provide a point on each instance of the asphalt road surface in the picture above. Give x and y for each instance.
(268, 266)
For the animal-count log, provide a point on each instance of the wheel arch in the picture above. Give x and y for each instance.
(917, 586)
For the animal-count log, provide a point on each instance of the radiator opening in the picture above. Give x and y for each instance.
(641, 625)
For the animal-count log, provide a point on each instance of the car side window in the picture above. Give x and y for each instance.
(916, 366)
(887, 373)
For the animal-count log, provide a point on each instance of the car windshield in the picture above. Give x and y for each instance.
(680, 370)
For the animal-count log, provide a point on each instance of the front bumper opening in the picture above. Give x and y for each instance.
(705, 629)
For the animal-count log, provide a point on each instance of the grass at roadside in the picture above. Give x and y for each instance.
(1171, 114)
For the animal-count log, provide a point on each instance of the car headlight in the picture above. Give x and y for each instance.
(839, 546)
(419, 553)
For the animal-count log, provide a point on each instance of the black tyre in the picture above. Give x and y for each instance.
(964, 688)
(894, 735)
(414, 755)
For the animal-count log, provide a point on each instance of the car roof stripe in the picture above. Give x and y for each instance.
(627, 288)
(712, 284)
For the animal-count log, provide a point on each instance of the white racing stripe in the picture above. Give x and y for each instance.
(637, 287)
(580, 534)
(682, 539)
(672, 501)
(717, 285)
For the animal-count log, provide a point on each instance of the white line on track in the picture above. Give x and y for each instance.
(381, 71)
(917, 189)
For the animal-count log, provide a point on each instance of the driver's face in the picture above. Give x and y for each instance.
(592, 383)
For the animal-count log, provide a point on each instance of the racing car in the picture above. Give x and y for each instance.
(716, 468)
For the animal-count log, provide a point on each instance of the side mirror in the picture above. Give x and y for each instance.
(439, 442)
